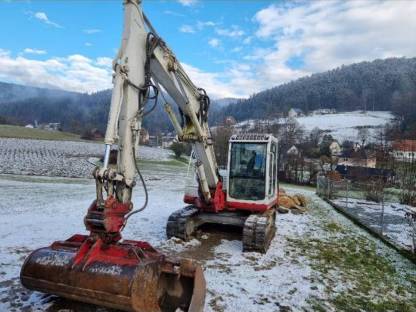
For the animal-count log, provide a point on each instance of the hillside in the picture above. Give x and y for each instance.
(9, 131)
(76, 112)
(381, 85)
(10, 92)
(342, 126)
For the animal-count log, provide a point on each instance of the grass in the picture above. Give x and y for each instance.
(171, 162)
(44, 179)
(370, 281)
(8, 131)
(302, 187)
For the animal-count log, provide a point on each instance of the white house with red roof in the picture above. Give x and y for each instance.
(404, 150)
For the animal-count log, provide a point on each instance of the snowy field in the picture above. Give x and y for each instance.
(59, 158)
(342, 126)
(317, 261)
(396, 226)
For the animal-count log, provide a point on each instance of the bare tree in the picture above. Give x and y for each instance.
(315, 136)
(221, 136)
(363, 135)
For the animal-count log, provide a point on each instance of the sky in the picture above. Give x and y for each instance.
(230, 48)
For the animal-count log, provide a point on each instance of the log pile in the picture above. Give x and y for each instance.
(296, 204)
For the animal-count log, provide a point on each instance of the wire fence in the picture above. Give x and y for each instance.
(374, 205)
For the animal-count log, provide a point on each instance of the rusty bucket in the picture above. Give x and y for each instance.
(128, 275)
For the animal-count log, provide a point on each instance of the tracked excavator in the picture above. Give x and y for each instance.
(102, 268)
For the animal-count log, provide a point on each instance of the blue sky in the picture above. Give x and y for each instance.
(232, 48)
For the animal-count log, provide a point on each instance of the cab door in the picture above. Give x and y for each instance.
(272, 171)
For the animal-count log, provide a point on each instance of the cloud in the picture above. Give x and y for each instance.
(188, 2)
(209, 81)
(41, 16)
(248, 40)
(318, 35)
(237, 49)
(91, 31)
(201, 25)
(214, 42)
(258, 54)
(173, 13)
(237, 81)
(187, 29)
(34, 51)
(331, 33)
(105, 61)
(232, 32)
(82, 74)
(75, 72)
(88, 44)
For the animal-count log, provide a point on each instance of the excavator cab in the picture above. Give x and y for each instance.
(252, 170)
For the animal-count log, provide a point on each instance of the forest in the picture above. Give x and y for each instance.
(388, 84)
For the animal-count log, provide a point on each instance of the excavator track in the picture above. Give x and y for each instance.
(259, 230)
(181, 224)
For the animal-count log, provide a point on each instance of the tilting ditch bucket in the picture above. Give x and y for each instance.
(128, 275)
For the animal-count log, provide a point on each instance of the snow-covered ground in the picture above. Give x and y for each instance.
(59, 158)
(342, 126)
(38, 210)
(396, 226)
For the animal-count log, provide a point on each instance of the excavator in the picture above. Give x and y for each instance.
(102, 268)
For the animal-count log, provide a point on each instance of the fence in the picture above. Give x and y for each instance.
(375, 206)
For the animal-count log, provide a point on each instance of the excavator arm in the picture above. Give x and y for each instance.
(144, 65)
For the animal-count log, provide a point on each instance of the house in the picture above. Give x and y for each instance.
(363, 174)
(335, 148)
(92, 134)
(230, 121)
(167, 140)
(52, 126)
(404, 150)
(324, 111)
(96, 134)
(295, 112)
(144, 137)
(293, 151)
(154, 140)
(357, 158)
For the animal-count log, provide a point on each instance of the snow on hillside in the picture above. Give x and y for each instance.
(342, 126)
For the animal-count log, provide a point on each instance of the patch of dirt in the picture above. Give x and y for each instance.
(209, 240)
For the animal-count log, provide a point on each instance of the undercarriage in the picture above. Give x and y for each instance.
(258, 228)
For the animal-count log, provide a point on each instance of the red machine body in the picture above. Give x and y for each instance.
(233, 191)
(102, 269)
